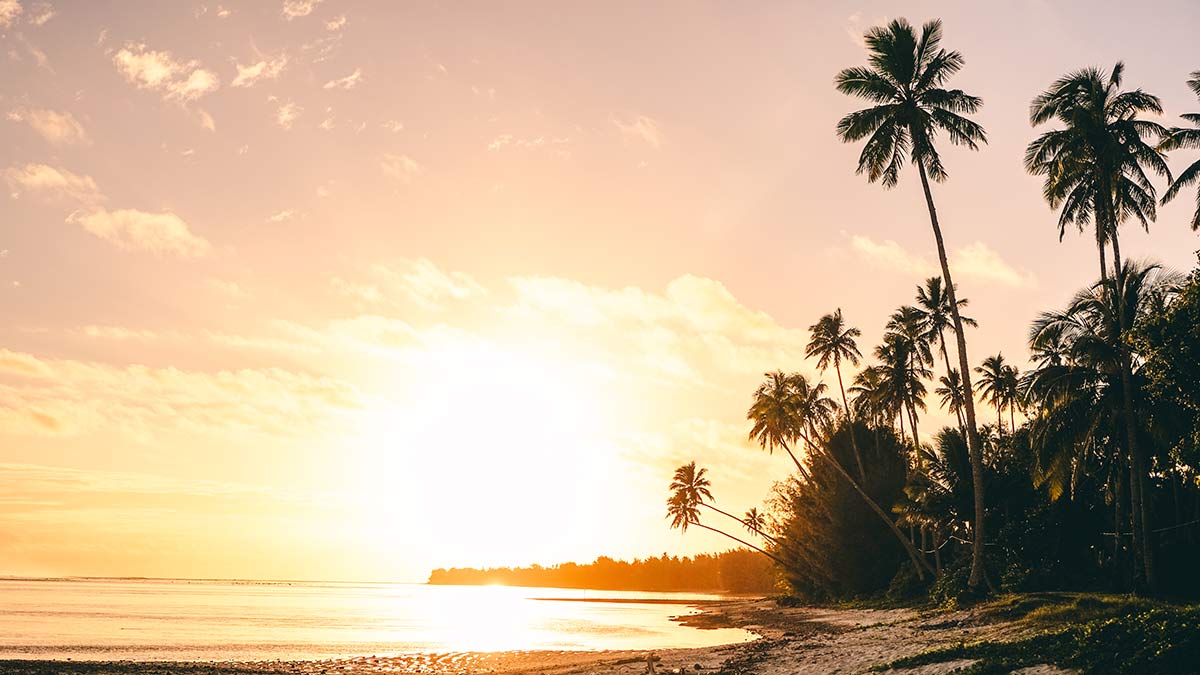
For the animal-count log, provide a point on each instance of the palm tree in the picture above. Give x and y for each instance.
(870, 396)
(903, 359)
(755, 521)
(1010, 381)
(1095, 169)
(933, 303)
(951, 395)
(691, 482)
(833, 342)
(904, 84)
(991, 384)
(1189, 139)
(786, 408)
(683, 513)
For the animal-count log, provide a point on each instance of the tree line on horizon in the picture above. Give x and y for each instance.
(1096, 485)
(734, 571)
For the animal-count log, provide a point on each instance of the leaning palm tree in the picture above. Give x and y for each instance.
(1095, 169)
(1184, 138)
(683, 512)
(991, 384)
(786, 409)
(833, 342)
(910, 106)
(692, 482)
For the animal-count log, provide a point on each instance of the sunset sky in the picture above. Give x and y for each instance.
(348, 290)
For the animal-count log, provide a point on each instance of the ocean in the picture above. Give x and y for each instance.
(183, 620)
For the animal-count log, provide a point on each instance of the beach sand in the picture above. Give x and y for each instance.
(794, 641)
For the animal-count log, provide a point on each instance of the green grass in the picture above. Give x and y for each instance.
(1092, 634)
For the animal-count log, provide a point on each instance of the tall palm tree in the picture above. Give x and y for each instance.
(832, 341)
(903, 360)
(910, 106)
(1181, 138)
(870, 396)
(786, 408)
(1010, 381)
(933, 303)
(991, 384)
(1095, 169)
(683, 513)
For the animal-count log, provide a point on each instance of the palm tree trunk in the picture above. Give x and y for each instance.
(862, 474)
(1139, 484)
(757, 531)
(799, 466)
(1012, 418)
(919, 562)
(743, 543)
(973, 446)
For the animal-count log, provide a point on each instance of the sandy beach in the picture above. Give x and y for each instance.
(800, 640)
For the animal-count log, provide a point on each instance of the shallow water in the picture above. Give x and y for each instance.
(232, 620)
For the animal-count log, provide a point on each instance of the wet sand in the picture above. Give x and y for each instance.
(793, 641)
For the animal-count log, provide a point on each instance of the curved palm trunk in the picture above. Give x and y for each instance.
(974, 448)
(862, 474)
(922, 566)
(1138, 485)
(799, 466)
(740, 541)
(757, 531)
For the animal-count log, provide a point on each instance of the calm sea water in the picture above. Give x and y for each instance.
(231, 620)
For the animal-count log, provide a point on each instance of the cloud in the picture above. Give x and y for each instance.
(393, 126)
(43, 396)
(420, 281)
(248, 76)
(348, 82)
(641, 127)
(57, 128)
(336, 23)
(135, 230)
(41, 13)
(974, 261)
(287, 113)
(225, 287)
(401, 167)
(10, 10)
(50, 182)
(280, 216)
(294, 9)
(159, 71)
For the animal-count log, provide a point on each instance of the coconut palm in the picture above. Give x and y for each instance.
(692, 482)
(755, 521)
(991, 383)
(1095, 167)
(903, 366)
(684, 513)
(870, 397)
(833, 341)
(909, 106)
(933, 303)
(786, 408)
(951, 395)
(1096, 171)
(1183, 138)
(1010, 382)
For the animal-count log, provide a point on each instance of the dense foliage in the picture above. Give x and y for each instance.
(736, 571)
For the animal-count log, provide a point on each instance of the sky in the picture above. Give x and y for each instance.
(338, 289)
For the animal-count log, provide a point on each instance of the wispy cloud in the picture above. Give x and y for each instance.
(401, 167)
(287, 113)
(50, 182)
(280, 216)
(348, 82)
(418, 281)
(270, 69)
(135, 230)
(59, 128)
(10, 10)
(336, 23)
(294, 9)
(642, 128)
(159, 71)
(974, 261)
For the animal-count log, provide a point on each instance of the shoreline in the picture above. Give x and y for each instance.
(792, 640)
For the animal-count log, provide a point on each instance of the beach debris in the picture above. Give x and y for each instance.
(652, 660)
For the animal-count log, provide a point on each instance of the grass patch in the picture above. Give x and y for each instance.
(1094, 634)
